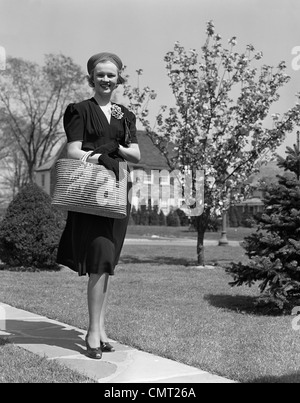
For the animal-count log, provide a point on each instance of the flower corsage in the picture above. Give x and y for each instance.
(116, 111)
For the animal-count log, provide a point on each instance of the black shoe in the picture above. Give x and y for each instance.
(95, 353)
(106, 347)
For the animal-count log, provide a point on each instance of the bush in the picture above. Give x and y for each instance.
(153, 216)
(30, 230)
(143, 215)
(162, 218)
(247, 218)
(173, 219)
(184, 220)
(214, 224)
(133, 220)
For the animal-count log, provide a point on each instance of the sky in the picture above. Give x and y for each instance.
(141, 32)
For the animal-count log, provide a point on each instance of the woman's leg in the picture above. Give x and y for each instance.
(97, 296)
(103, 336)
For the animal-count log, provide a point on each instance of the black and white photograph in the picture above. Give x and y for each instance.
(150, 194)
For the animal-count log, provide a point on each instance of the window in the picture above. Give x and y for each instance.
(172, 190)
(43, 180)
(147, 177)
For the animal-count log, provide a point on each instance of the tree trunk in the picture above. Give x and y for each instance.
(201, 228)
(200, 248)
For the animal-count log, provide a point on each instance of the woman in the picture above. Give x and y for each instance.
(92, 244)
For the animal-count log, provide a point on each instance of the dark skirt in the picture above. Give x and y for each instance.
(92, 244)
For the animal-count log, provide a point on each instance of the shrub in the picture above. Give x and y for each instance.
(153, 215)
(173, 219)
(184, 220)
(162, 218)
(30, 230)
(143, 215)
(214, 224)
(133, 220)
(247, 218)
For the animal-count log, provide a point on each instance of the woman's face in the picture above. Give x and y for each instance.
(105, 78)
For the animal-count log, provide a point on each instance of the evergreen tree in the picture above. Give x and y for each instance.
(274, 250)
(184, 220)
(153, 215)
(143, 215)
(173, 219)
(134, 216)
(162, 218)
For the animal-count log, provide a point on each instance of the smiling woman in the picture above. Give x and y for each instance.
(92, 244)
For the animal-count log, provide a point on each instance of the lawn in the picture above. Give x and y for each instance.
(161, 302)
(20, 366)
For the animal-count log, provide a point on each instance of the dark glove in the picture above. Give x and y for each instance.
(111, 164)
(108, 148)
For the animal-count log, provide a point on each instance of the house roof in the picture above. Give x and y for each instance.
(151, 157)
(253, 201)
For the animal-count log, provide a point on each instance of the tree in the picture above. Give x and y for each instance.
(153, 215)
(13, 174)
(143, 215)
(218, 124)
(274, 250)
(173, 219)
(33, 100)
(162, 218)
(133, 215)
(184, 220)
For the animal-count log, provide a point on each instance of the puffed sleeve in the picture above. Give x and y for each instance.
(73, 123)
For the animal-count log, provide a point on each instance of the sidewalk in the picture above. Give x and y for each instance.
(64, 343)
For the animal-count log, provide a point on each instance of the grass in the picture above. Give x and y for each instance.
(162, 303)
(20, 366)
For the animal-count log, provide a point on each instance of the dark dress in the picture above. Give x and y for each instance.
(93, 244)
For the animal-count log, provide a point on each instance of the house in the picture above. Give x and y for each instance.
(240, 213)
(152, 182)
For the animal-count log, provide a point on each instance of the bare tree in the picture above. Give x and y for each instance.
(33, 99)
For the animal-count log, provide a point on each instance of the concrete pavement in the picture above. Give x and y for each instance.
(58, 341)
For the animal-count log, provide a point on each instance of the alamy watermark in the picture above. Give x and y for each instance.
(185, 189)
(296, 59)
(2, 58)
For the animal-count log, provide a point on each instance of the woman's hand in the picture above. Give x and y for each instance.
(108, 148)
(74, 151)
(131, 153)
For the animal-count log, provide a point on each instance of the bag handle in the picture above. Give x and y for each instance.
(86, 156)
